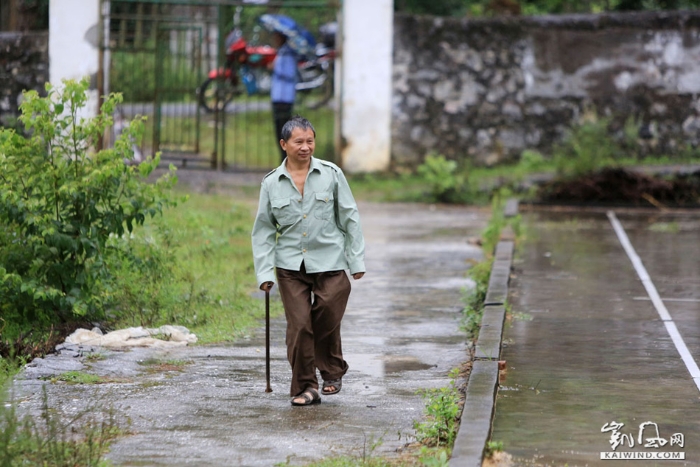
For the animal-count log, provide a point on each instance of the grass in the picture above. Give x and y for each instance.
(78, 377)
(212, 277)
(389, 187)
(442, 410)
(155, 365)
(493, 447)
(55, 439)
(665, 227)
(95, 357)
(482, 183)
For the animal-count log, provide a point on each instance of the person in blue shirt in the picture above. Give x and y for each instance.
(283, 88)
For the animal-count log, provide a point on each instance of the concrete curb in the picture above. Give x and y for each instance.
(488, 347)
(482, 388)
(475, 428)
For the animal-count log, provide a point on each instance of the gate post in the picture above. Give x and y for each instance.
(367, 46)
(74, 46)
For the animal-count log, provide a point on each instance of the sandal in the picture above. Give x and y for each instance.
(310, 396)
(336, 383)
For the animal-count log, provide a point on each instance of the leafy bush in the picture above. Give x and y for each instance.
(447, 185)
(144, 289)
(587, 148)
(61, 200)
(532, 161)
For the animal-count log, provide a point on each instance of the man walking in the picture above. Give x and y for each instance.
(308, 228)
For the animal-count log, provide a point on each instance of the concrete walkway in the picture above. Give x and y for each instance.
(586, 346)
(401, 334)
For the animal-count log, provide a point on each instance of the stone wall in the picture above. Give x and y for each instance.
(24, 65)
(487, 89)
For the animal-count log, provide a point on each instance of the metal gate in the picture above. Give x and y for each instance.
(163, 56)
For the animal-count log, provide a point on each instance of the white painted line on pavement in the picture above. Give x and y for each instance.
(666, 299)
(690, 363)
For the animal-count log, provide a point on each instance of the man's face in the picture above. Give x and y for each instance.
(300, 146)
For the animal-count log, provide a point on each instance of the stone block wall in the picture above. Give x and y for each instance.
(487, 89)
(24, 65)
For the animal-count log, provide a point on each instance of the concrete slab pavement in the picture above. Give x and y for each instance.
(401, 334)
(586, 349)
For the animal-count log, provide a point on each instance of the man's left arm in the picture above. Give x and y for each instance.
(349, 222)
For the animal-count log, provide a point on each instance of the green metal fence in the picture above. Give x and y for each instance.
(159, 54)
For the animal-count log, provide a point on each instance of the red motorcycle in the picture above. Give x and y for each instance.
(247, 71)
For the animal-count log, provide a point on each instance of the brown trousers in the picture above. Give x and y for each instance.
(313, 325)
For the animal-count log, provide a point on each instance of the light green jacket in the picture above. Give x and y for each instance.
(322, 228)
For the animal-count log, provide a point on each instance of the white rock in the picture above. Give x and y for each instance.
(135, 337)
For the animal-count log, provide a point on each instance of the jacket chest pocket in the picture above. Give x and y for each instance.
(283, 210)
(323, 205)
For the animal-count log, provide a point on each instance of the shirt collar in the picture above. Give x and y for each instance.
(282, 169)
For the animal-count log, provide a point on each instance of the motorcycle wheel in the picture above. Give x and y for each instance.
(216, 92)
(317, 97)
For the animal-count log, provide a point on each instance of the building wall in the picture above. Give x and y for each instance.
(488, 89)
(24, 65)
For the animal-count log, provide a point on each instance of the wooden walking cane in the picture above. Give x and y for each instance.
(267, 339)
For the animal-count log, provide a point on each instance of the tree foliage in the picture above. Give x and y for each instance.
(60, 201)
(535, 7)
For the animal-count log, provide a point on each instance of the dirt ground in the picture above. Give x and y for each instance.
(616, 185)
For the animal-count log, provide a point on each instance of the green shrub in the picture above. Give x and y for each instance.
(144, 290)
(532, 161)
(61, 200)
(447, 184)
(587, 148)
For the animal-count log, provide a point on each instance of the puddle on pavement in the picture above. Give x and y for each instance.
(379, 366)
(393, 364)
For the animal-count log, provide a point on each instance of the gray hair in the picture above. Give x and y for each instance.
(296, 121)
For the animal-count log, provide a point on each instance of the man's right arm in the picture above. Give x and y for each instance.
(264, 240)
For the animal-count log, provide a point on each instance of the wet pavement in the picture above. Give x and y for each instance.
(585, 345)
(206, 405)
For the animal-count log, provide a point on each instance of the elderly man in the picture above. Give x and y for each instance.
(308, 228)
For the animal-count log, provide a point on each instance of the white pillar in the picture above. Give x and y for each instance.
(367, 46)
(74, 48)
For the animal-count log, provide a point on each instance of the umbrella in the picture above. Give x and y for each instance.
(299, 39)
